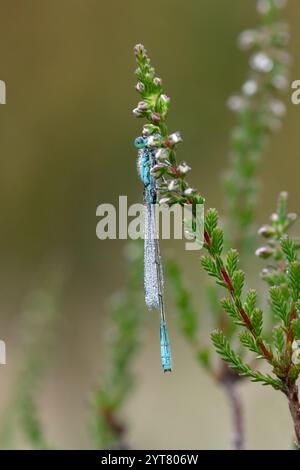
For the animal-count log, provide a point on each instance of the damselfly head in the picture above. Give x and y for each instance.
(140, 142)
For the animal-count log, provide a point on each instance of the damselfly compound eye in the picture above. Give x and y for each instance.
(140, 142)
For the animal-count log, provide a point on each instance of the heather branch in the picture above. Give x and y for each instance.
(113, 390)
(283, 276)
(174, 189)
(259, 113)
(229, 285)
(154, 107)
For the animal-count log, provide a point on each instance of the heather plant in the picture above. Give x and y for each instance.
(237, 317)
(240, 304)
(258, 112)
(256, 343)
(109, 397)
(22, 417)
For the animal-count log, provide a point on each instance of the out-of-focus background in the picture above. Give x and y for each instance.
(66, 138)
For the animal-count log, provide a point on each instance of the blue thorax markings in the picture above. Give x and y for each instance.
(146, 161)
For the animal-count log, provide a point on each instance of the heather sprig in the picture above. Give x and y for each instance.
(283, 277)
(241, 304)
(259, 112)
(154, 107)
(282, 274)
(276, 245)
(38, 328)
(126, 309)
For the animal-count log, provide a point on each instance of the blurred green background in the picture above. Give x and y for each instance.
(66, 138)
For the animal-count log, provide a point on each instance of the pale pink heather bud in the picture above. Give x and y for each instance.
(183, 168)
(236, 103)
(278, 108)
(263, 6)
(172, 185)
(164, 200)
(296, 357)
(261, 62)
(153, 141)
(146, 131)
(266, 231)
(274, 217)
(296, 351)
(295, 345)
(165, 99)
(264, 252)
(189, 191)
(157, 81)
(155, 117)
(137, 112)
(158, 170)
(140, 87)
(250, 87)
(247, 39)
(161, 154)
(175, 138)
(149, 129)
(139, 49)
(143, 106)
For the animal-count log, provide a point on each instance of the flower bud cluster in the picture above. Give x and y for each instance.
(272, 233)
(154, 106)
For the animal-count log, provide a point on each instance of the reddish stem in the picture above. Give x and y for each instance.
(293, 399)
(228, 281)
(207, 238)
(290, 339)
(290, 333)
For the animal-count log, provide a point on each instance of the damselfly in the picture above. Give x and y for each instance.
(153, 272)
